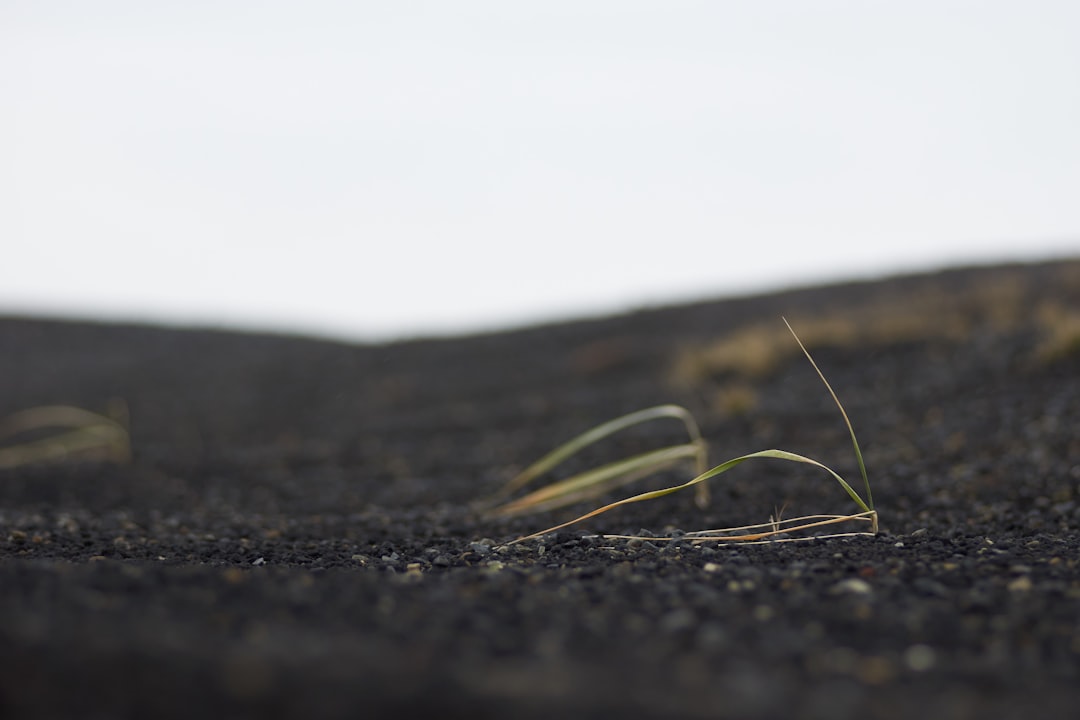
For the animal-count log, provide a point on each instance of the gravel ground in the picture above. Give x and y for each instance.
(295, 534)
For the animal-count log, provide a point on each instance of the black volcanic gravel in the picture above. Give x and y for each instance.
(294, 536)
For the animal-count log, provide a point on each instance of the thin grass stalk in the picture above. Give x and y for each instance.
(719, 469)
(84, 432)
(597, 481)
(791, 525)
(575, 445)
(851, 430)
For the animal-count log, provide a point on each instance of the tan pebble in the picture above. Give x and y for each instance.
(854, 586)
(1020, 584)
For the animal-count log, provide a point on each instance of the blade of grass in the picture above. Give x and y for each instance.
(597, 481)
(740, 534)
(566, 450)
(722, 468)
(854, 442)
(46, 416)
(83, 432)
(82, 441)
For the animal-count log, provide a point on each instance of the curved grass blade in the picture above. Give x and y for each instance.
(83, 432)
(566, 450)
(854, 442)
(597, 481)
(719, 469)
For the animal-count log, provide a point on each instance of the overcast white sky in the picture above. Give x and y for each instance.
(379, 169)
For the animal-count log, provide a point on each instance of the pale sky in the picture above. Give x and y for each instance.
(372, 170)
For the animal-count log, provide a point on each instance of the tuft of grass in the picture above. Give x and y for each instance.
(64, 432)
(947, 315)
(1060, 334)
(734, 399)
(757, 351)
(597, 481)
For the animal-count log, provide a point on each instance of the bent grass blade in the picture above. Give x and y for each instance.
(843, 413)
(83, 433)
(608, 476)
(719, 469)
(596, 482)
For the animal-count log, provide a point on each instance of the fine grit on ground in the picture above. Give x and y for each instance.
(293, 529)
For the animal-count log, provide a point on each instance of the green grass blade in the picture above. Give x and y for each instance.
(869, 504)
(111, 442)
(719, 469)
(83, 432)
(564, 451)
(596, 481)
(59, 416)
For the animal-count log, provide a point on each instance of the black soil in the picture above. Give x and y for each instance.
(295, 535)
